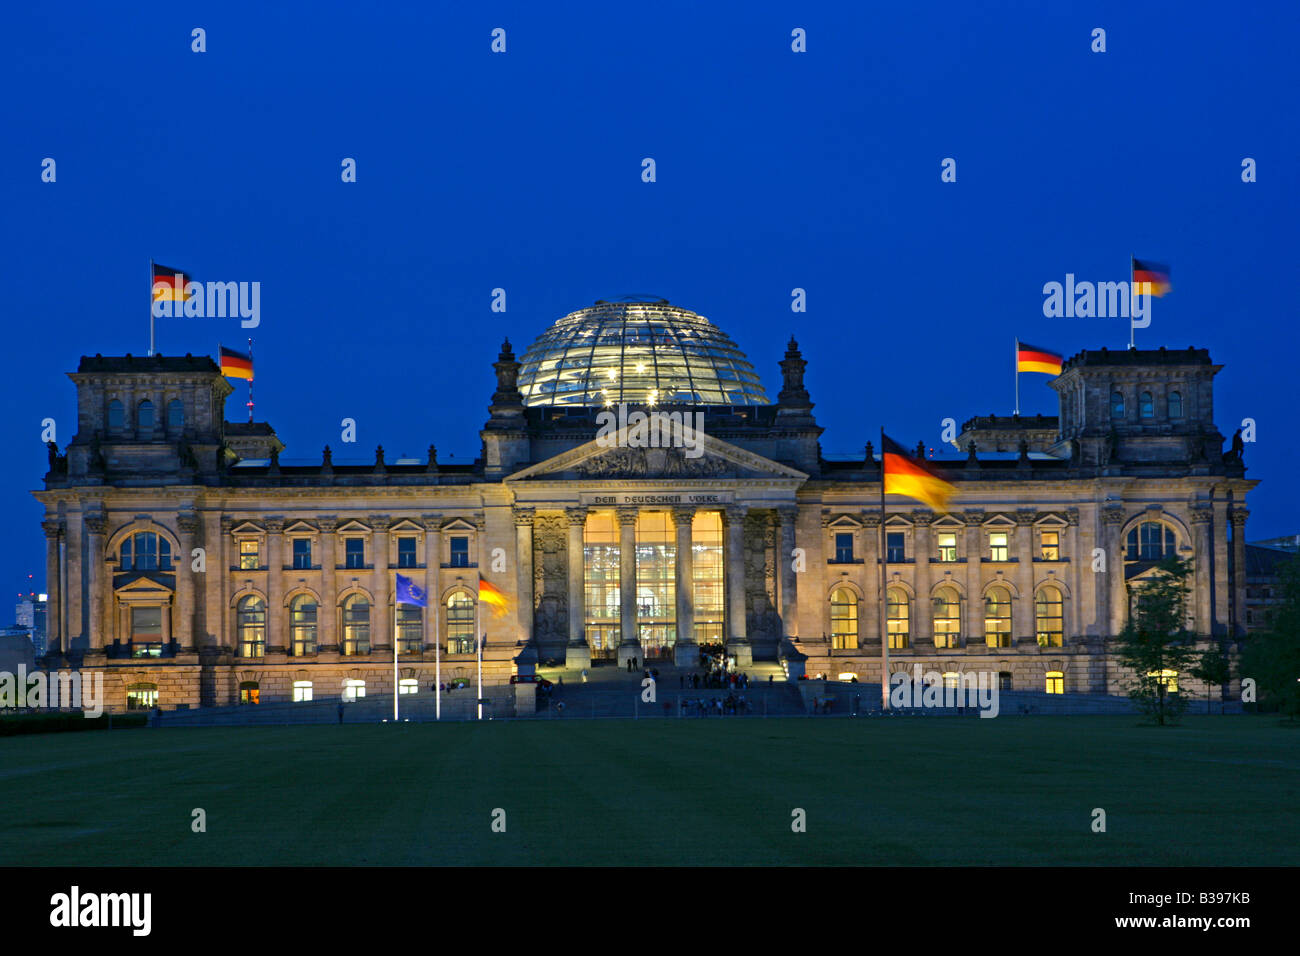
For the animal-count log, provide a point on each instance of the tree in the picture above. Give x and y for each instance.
(1272, 658)
(1156, 644)
(1214, 668)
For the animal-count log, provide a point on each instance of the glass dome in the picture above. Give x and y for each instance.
(643, 352)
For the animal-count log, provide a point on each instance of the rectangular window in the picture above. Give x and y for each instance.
(1055, 682)
(947, 546)
(459, 552)
(250, 558)
(999, 550)
(1050, 546)
(142, 698)
(406, 552)
(408, 685)
(707, 570)
(894, 547)
(301, 554)
(354, 689)
(354, 552)
(844, 547)
(146, 624)
(301, 691)
(602, 603)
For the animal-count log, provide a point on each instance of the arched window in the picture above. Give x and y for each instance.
(144, 418)
(116, 416)
(1175, 404)
(356, 626)
(302, 624)
(460, 624)
(250, 692)
(175, 416)
(1116, 405)
(997, 617)
(844, 619)
(1151, 541)
(146, 551)
(142, 696)
(947, 618)
(1146, 407)
(1049, 615)
(410, 628)
(250, 619)
(897, 618)
(1055, 683)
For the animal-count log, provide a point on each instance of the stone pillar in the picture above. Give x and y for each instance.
(524, 573)
(1074, 626)
(1221, 602)
(1024, 628)
(1238, 617)
(872, 599)
(327, 611)
(972, 632)
(54, 643)
(432, 587)
(219, 591)
(787, 578)
(1112, 519)
(737, 641)
(923, 625)
(629, 644)
(381, 626)
(1203, 559)
(183, 630)
(96, 525)
(686, 652)
(577, 655)
(274, 586)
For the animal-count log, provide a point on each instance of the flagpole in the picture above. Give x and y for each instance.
(1133, 287)
(437, 666)
(395, 687)
(1015, 365)
(884, 618)
(478, 645)
(151, 305)
(250, 382)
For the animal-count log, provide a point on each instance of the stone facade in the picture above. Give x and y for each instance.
(166, 532)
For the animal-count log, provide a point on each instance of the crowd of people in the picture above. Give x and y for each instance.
(715, 706)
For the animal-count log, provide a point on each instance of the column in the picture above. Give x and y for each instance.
(1238, 517)
(872, 599)
(524, 572)
(972, 632)
(183, 630)
(1221, 600)
(381, 627)
(274, 585)
(1024, 629)
(327, 610)
(219, 606)
(923, 627)
(578, 654)
(1203, 542)
(686, 652)
(96, 525)
(787, 578)
(1112, 520)
(54, 645)
(432, 587)
(1074, 575)
(737, 642)
(629, 644)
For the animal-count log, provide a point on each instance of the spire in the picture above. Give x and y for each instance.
(793, 395)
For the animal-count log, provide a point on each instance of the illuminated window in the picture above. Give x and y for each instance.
(707, 571)
(356, 626)
(897, 622)
(410, 628)
(997, 617)
(1049, 545)
(1049, 614)
(250, 555)
(302, 624)
(1146, 407)
(1055, 682)
(408, 685)
(844, 547)
(947, 546)
(951, 680)
(656, 587)
(1167, 677)
(947, 618)
(406, 552)
(460, 624)
(1150, 541)
(600, 564)
(142, 696)
(250, 692)
(250, 619)
(146, 551)
(1116, 405)
(844, 619)
(301, 691)
(998, 548)
(353, 689)
(1175, 404)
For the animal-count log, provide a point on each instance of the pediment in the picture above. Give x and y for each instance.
(248, 527)
(405, 525)
(844, 522)
(623, 455)
(143, 585)
(352, 526)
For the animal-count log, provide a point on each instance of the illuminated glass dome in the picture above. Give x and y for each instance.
(639, 351)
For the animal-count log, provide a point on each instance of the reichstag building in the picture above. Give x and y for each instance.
(192, 568)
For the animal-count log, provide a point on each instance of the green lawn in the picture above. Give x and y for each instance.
(1216, 791)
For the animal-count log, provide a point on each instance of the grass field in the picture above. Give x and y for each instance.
(1216, 791)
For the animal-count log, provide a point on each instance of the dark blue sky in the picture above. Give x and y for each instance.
(522, 171)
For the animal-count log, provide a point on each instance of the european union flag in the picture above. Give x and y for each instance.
(410, 593)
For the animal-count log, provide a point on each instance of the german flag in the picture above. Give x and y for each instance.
(904, 475)
(1155, 274)
(1030, 358)
(169, 284)
(236, 364)
(488, 594)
